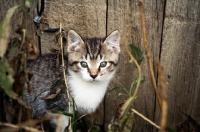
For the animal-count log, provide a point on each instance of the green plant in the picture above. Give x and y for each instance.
(125, 109)
(125, 112)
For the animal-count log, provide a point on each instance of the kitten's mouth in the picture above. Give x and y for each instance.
(91, 80)
(94, 80)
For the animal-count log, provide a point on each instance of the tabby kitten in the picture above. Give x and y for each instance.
(91, 64)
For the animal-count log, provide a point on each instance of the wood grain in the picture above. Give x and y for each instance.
(119, 12)
(180, 58)
(174, 37)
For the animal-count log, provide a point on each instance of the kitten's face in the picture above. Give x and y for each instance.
(92, 59)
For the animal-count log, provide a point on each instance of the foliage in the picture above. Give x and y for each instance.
(14, 52)
(124, 112)
(6, 72)
(128, 104)
(6, 78)
(137, 53)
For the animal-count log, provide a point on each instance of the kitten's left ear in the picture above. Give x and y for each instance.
(113, 41)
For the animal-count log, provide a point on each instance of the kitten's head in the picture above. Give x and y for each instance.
(93, 59)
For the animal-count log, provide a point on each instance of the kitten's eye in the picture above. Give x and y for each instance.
(103, 64)
(84, 64)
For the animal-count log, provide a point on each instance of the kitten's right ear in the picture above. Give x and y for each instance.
(74, 41)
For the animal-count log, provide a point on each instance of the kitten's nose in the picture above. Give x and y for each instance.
(93, 76)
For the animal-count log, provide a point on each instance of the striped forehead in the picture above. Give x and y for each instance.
(88, 58)
(93, 48)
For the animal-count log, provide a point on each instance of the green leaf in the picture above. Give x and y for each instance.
(6, 78)
(113, 89)
(126, 91)
(122, 88)
(5, 30)
(137, 53)
(75, 116)
(135, 82)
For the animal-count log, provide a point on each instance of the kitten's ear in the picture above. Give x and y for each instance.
(113, 41)
(74, 41)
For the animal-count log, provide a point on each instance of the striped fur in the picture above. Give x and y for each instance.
(88, 83)
(93, 52)
(91, 64)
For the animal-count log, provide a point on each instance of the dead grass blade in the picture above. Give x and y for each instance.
(146, 119)
(127, 105)
(128, 32)
(163, 119)
(17, 127)
(147, 51)
(28, 125)
(64, 74)
(20, 101)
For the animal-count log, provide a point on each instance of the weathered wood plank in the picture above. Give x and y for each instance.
(86, 17)
(119, 18)
(181, 60)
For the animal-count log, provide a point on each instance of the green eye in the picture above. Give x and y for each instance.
(103, 64)
(84, 64)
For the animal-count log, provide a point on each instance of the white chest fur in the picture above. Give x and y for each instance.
(87, 95)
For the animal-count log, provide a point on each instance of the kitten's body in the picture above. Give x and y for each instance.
(91, 65)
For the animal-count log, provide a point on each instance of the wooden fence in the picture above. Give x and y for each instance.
(173, 33)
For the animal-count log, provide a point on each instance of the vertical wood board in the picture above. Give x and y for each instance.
(180, 57)
(119, 18)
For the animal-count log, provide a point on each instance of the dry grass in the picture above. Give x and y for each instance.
(147, 51)
(27, 125)
(65, 79)
(162, 102)
(163, 118)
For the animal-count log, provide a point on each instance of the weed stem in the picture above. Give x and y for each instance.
(64, 73)
(163, 119)
(146, 119)
(147, 51)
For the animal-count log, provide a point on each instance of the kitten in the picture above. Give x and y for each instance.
(91, 64)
